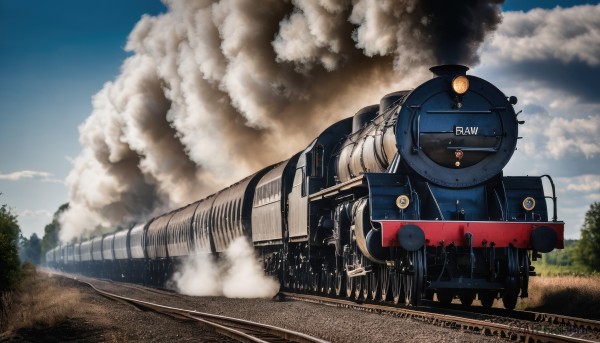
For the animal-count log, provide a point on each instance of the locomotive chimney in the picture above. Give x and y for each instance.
(449, 70)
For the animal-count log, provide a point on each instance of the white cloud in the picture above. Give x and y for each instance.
(568, 35)
(34, 213)
(583, 183)
(24, 174)
(556, 137)
(30, 174)
(550, 60)
(593, 197)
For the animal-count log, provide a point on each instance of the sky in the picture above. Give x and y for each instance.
(55, 57)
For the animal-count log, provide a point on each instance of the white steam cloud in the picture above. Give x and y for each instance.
(215, 90)
(237, 275)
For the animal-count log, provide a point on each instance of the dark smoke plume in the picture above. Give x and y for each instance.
(459, 27)
(215, 90)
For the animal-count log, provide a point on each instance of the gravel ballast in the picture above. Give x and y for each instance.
(326, 322)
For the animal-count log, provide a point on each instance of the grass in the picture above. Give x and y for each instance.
(39, 302)
(568, 295)
(559, 270)
(576, 296)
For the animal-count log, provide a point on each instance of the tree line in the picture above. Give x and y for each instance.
(579, 256)
(16, 249)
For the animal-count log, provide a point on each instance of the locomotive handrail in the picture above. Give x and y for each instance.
(336, 189)
(553, 197)
(393, 167)
(457, 112)
(475, 149)
(416, 120)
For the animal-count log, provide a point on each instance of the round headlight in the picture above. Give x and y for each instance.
(460, 84)
(402, 202)
(529, 203)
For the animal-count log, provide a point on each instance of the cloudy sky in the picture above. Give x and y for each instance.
(76, 79)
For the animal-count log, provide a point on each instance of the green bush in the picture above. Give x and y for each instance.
(9, 254)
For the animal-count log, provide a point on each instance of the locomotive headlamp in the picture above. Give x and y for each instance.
(460, 84)
(529, 203)
(402, 202)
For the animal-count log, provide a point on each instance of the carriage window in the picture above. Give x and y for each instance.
(317, 163)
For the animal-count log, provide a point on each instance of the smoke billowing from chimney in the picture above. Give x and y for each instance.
(215, 90)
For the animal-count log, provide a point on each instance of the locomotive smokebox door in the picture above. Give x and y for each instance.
(458, 130)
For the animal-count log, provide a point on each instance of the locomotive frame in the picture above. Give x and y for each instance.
(401, 202)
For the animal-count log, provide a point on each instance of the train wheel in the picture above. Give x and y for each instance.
(396, 281)
(511, 290)
(366, 280)
(511, 293)
(314, 280)
(286, 280)
(384, 281)
(525, 273)
(358, 286)
(487, 298)
(373, 283)
(413, 281)
(305, 279)
(339, 278)
(466, 297)
(349, 286)
(323, 281)
(296, 279)
(445, 296)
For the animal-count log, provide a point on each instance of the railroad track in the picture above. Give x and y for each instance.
(522, 326)
(538, 317)
(528, 330)
(135, 286)
(238, 329)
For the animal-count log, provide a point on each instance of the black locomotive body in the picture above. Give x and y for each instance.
(404, 201)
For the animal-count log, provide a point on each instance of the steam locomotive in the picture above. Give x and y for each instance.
(404, 201)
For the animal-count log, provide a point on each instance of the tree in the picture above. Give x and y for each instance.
(9, 258)
(588, 252)
(30, 249)
(50, 239)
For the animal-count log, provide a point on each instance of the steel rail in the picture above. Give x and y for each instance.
(533, 316)
(580, 323)
(238, 329)
(511, 332)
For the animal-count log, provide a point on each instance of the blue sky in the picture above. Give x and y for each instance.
(526, 5)
(54, 56)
